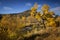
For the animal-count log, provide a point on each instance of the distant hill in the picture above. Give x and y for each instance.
(25, 13)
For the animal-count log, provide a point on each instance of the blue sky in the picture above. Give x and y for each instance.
(16, 6)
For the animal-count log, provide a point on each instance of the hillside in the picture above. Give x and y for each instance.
(30, 25)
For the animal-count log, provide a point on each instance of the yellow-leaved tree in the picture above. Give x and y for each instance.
(34, 10)
(48, 17)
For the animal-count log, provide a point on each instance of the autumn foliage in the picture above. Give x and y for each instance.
(15, 27)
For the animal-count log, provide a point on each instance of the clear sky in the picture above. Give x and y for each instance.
(16, 6)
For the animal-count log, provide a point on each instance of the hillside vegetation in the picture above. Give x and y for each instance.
(30, 25)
